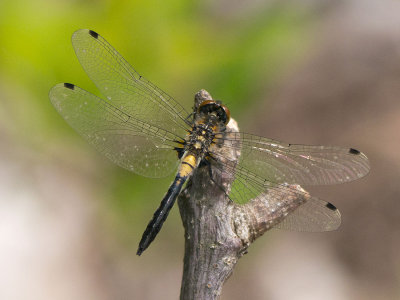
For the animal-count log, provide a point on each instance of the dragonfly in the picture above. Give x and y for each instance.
(144, 130)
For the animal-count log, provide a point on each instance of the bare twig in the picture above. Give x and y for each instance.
(218, 231)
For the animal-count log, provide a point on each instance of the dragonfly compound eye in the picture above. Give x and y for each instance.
(207, 106)
(227, 114)
(211, 106)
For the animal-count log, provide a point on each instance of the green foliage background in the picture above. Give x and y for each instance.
(236, 53)
(181, 46)
(313, 72)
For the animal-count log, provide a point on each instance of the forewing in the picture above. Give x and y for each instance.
(278, 162)
(124, 87)
(263, 164)
(132, 144)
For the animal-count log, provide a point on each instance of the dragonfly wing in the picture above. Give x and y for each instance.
(278, 162)
(134, 145)
(124, 87)
(314, 215)
(246, 185)
(263, 164)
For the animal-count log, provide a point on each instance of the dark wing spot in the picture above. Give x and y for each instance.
(331, 206)
(69, 86)
(354, 151)
(93, 34)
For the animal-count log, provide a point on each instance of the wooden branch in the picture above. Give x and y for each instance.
(218, 231)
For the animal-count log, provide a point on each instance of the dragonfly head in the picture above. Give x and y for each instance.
(214, 110)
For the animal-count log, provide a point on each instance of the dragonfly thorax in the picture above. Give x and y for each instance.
(200, 138)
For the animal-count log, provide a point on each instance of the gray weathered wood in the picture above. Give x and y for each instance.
(217, 231)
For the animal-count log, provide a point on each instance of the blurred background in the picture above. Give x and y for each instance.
(301, 71)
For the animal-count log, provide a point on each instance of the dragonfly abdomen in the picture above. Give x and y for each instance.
(161, 214)
(188, 164)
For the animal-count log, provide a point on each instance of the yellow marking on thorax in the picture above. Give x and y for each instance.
(187, 165)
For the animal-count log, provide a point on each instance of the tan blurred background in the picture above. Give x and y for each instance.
(305, 71)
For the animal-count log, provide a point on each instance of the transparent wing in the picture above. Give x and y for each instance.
(264, 163)
(124, 87)
(314, 215)
(132, 144)
(246, 185)
(278, 162)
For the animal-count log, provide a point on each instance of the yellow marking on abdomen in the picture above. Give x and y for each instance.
(187, 165)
